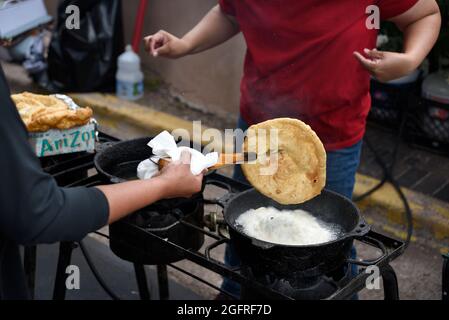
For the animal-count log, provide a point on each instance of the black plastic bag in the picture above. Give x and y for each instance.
(85, 59)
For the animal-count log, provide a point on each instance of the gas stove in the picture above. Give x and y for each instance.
(137, 238)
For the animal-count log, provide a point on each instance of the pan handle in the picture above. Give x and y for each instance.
(361, 230)
(367, 263)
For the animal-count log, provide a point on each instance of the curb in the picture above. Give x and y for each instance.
(146, 118)
(150, 121)
(429, 213)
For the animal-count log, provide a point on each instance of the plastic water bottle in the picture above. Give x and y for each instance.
(129, 78)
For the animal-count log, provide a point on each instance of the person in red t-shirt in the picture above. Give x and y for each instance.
(312, 60)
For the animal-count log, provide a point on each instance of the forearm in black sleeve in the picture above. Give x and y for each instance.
(33, 209)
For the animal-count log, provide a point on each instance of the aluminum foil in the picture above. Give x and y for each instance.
(72, 105)
(67, 100)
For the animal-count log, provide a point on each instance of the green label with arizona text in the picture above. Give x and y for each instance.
(54, 142)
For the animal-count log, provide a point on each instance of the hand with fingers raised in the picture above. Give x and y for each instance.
(385, 66)
(164, 44)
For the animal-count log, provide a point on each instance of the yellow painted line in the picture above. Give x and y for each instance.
(144, 117)
(397, 233)
(428, 213)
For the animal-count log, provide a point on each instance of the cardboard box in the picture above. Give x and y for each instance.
(21, 16)
(56, 142)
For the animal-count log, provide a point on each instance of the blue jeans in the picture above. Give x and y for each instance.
(341, 168)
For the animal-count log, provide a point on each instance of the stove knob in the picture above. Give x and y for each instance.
(219, 219)
(210, 221)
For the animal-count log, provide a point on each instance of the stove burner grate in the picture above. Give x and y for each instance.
(331, 287)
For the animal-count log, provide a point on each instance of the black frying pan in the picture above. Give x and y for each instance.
(118, 162)
(266, 257)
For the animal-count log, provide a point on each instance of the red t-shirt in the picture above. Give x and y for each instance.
(300, 62)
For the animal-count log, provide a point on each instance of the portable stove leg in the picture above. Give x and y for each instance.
(142, 282)
(64, 259)
(390, 281)
(29, 262)
(162, 279)
(446, 278)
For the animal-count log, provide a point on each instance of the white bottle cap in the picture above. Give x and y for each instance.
(129, 61)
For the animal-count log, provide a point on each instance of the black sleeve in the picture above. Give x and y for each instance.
(33, 209)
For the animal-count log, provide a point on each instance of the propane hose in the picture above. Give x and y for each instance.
(95, 272)
(388, 176)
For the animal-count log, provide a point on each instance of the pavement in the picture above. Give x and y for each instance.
(415, 168)
(118, 274)
(423, 176)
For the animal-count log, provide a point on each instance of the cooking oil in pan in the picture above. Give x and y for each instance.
(287, 227)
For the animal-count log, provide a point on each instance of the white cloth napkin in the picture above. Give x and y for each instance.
(164, 146)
